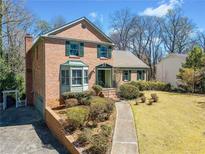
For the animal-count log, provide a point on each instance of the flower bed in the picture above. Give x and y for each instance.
(89, 121)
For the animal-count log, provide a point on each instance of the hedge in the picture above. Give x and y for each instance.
(151, 85)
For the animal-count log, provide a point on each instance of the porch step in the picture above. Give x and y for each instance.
(110, 93)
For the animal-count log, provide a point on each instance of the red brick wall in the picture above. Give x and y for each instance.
(78, 32)
(38, 67)
(28, 63)
(53, 123)
(55, 55)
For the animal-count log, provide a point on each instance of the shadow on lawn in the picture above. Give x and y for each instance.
(201, 104)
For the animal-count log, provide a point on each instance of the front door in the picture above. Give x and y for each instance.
(104, 78)
(101, 78)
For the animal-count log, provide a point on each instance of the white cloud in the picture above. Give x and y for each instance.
(96, 17)
(93, 15)
(162, 9)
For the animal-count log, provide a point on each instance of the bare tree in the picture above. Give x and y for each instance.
(140, 35)
(176, 30)
(41, 27)
(121, 23)
(201, 40)
(16, 21)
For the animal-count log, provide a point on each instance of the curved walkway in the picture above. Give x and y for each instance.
(124, 139)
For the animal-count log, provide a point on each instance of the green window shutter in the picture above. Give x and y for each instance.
(129, 75)
(81, 49)
(67, 48)
(109, 52)
(98, 51)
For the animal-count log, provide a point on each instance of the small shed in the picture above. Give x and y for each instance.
(168, 68)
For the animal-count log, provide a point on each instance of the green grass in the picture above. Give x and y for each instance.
(174, 125)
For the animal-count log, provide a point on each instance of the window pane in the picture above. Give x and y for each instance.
(140, 75)
(103, 51)
(74, 49)
(86, 80)
(76, 77)
(79, 73)
(67, 73)
(126, 75)
(63, 81)
(63, 73)
(67, 81)
(74, 52)
(74, 46)
(85, 76)
(79, 81)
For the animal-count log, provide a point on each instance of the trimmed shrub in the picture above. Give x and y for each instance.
(97, 89)
(76, 117)
(128, 91)
(150, 102)
(154, 97)
(143, 99)
(151, 85)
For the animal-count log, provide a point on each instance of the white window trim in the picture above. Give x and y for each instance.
(82, 69)
(85, 84)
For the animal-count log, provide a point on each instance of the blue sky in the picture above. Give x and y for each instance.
(102, 9)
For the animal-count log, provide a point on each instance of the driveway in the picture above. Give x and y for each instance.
(23, 132)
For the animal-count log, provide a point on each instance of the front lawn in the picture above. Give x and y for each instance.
(174, 125)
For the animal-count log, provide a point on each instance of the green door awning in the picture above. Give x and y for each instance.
(74, 63)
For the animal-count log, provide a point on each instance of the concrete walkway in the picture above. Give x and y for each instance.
(124, 139)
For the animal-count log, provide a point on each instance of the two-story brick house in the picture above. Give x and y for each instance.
(73, 58)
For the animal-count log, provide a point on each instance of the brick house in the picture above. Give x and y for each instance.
(73, 58)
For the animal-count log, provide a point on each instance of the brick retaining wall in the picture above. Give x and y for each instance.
(52, 121)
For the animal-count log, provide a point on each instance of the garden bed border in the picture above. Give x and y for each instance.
(53, 123)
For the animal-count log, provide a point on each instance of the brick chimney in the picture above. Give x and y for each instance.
(28, 42)
(28, 62)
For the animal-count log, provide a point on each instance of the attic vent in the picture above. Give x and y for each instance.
(83, 26)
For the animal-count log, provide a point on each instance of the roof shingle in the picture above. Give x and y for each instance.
(126, 59)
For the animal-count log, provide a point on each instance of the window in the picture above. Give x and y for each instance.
(76, 77)
(126, 75)
(85, 76)
(65, 77)
(74, 49)
(103, 51)
(140, 75)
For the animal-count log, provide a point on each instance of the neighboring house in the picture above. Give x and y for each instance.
(73, 58)
(168, 68)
